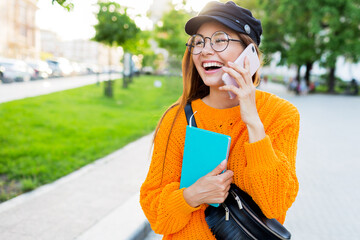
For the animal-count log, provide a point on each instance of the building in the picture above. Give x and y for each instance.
(49, 44)
(18, 31)
(90, 52)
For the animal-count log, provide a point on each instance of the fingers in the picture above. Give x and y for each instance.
(223, 191)
(224, 180)
(234, 73)
(231, 88)
(219, 169)
(242, 76)
(227, 175)
(239, 73)
(247, 78)
(211, 189)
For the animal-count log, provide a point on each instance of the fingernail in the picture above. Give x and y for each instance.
(230, 63)
(223, 162)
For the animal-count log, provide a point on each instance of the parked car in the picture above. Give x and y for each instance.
(92, 69)
(60, 67)
(2, 70)
(15, 70)
(41, 69)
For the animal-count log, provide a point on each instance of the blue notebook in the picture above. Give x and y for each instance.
(203, 151)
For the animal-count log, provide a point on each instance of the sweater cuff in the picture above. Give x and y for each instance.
(260, 154)
(178, 205)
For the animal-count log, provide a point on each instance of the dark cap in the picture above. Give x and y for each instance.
(231, 15)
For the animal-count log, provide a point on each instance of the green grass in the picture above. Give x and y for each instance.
(46, 137)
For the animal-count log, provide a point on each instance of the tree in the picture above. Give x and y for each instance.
(170, 33)
(114, 28)
(140, 46)
(308, 31)
(289, 28)
(273, 37)
(340, 33)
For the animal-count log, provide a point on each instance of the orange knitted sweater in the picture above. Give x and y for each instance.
(264, 169)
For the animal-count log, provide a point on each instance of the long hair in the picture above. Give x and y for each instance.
(194, 87)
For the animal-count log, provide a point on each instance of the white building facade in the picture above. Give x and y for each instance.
(18, 31)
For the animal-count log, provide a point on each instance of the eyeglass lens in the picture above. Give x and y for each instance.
(219, 42)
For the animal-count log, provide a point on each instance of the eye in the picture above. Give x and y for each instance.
(220, 40)
(198, 43)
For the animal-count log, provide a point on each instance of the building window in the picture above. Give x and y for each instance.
(23, 30)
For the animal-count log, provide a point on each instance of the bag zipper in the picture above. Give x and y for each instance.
(237, 199)
(253, 215)
(227, 213)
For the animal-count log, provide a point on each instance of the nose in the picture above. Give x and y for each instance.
(207, 47)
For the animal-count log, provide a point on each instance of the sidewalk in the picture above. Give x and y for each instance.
(99, 201)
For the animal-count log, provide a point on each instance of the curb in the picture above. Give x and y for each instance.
(22, 198)
(141, 232)
(125, 222)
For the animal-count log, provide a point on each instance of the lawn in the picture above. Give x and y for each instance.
(44, 138)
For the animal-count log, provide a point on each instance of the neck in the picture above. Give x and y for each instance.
(219, 99)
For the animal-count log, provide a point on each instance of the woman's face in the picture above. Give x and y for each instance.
(209, 62)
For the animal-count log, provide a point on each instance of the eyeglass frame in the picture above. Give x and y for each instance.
(189, 46)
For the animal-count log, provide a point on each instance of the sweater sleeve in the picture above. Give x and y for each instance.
(270, 172)
(160, 197)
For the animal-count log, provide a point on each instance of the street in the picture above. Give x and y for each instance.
(327, 168)
(20, 90)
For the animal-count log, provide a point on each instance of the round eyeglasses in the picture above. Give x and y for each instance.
(219, 41)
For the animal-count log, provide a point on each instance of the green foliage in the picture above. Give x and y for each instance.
(114, 26)
(273, 38)
(289, 29)
(46, 137)
(340, 36)
(170, 33)
(253, 6)
(314, 30)
(63, 3)
(139, 44)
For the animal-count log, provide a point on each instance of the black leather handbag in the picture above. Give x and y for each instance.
(239, 217)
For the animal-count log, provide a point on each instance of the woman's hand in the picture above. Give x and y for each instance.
(211, 188)
(247, 99)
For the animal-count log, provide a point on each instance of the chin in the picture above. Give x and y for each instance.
(213, 82)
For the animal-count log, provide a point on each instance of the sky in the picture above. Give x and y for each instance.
(78, 24)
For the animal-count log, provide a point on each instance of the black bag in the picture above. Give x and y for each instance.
(239, 217)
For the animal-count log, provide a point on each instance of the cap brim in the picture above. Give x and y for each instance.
(192, 26)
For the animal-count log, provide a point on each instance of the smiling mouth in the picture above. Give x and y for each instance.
(212, 66)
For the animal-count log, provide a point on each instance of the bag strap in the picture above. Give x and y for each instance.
(189, 113)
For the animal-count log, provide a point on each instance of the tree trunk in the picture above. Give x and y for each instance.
(127, 70)
(108, 90)
(307, 74)
(125, 81)
(298, 78)
(331, 81)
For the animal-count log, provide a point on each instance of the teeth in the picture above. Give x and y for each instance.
(212, 64)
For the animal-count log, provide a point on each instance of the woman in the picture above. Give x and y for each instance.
(263, 127)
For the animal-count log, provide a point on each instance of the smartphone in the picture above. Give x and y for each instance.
(251, 53)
